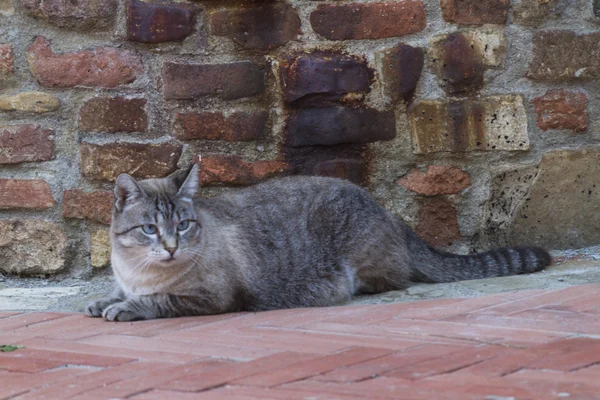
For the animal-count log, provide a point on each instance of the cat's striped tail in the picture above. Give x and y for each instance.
(432, 265)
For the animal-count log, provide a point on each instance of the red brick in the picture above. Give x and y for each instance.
(26, 319)
(159, 22)
(566, 354)
(263, 28)
(104, 67)
(561, 55)
(237, 372)
(25, 143)
(83, 14)
(113, 114)
(313, 367)
(562, 109)
(106, 162)
(95, 205)
(33, 193)
(368, 20)
(338, 125)
(13, 383)
(7, 65)
(437, 180)
(438, 223)
(475, 12)
(233, 170)
(381, 365)
(401, 68)
(323, 76)
(93, 351)
(228, 81)
(446, 363)
(236, 127)
(27, 364)
(156, 327)
(198, 349)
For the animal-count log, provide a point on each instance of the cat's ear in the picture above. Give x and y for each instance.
(191, 184)
(126, 191)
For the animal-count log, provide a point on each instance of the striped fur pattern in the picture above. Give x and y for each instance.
(291, 242)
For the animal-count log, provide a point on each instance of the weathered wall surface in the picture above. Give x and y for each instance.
(476, 121)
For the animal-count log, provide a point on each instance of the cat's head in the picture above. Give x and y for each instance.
(154, 222)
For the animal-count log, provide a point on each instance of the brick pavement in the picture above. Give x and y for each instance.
(524, 345)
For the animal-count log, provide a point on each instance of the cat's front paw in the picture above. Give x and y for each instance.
(97, 307)
(122, 312)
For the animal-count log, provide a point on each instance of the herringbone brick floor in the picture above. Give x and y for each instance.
(524, 345)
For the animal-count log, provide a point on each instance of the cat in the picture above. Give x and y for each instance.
(297, 241)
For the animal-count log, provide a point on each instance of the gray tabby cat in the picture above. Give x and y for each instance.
(292, 242)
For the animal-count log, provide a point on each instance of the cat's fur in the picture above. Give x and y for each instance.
(293, 242)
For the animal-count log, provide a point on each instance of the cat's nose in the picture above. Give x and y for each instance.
(171, 250)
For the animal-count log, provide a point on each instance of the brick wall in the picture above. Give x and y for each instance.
(475, 120)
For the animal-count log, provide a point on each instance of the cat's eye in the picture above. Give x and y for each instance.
(149, 229)
(183, 225)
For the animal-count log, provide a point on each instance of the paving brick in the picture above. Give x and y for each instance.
(579, 304)
(157, 327)
(23, 320)
(263, 27)
(237, 126)
(235, 372)
(113, 114)
(104, 67)
(198, 350)
(368, 20)
(159, 22)
(95, 205)
(228, 81)
(314, 367)
(33, 194)
(28, 364)
(382, 365)
(147, 354)
(25, 143)
(107, 161)
(14, 383)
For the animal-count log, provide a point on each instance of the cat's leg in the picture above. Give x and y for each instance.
(157, 306)
(97, 307)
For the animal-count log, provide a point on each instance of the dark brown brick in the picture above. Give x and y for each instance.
(368, 20)
(563, 55)
(323, 76)
(337, 125)
(345, 161)
(233, 170)
(113, 114)
(535, 12)
(353, 170)
(459, 66)
(158, 22)
(73, 14)
(262, 28)
(236, 127)
(438, 223)
(562, 109)
(475, 12)
(7, 65)
(95, 206)
(401, 68)
(105, 67)
(106, 162)
(228, 81)
(25, 143)
(33, 194)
